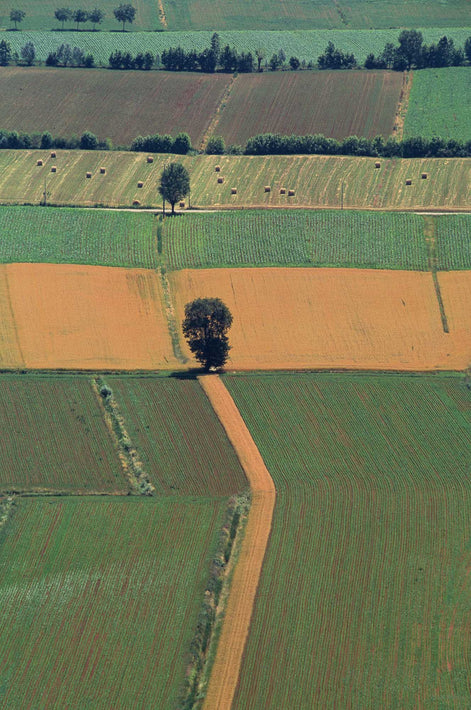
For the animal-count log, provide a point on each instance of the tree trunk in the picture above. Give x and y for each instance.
(173, 207)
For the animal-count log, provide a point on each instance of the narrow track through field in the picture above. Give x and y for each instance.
(225, 672)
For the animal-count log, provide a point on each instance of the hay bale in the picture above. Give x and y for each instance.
(89, 175)
(150, 159)
(424, 176)
(408, 181)
(182, 204)
(102, 171)
(267, 188)
(39, 162)
(53, 154)
(220, 180)
(233, 191)
(290, 193)
(377, 164)
(140, 184)
(282, 190)
(53, 169)
(136, 203)
(217, 168)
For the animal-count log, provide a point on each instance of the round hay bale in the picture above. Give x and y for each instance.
(102, 171)
(377, 164)
(39, 162)
(290, 193)
(150, 159)
(89, 175)
(53, 169)
(136, 203)
(424, 176)
(282, 190)
(408, 181)
(233, 191)
(140, 184)
(267, 188)
(182, 204)
(217, 168)
(53, 154)
(220, 180)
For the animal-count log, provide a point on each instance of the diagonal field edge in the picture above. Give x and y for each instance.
(235, 628)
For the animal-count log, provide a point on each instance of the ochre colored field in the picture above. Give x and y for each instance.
(83, 317)
(10, 353)
(337, 104)
(455, 287)
(112, 104)
(322, 318)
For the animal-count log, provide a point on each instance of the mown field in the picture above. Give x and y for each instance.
(363, 599)
(119, 105)
(179, 438)
(305, 44)
(440, 104)
(100, 599)
(361, 319)
(55, 438)
(317, 181)
(336, 104)
(71, 236)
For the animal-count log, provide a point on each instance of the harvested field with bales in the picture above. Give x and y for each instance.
(335, 318)
(317, 181)
(145, 102)
(334, 103)
(363, 599)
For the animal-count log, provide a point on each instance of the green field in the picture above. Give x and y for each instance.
(363, 600)
(317, 181)
(55, 437)
(305, 44)
(296, 238)
(453, 241)
(72, 236)
(440, 104)
(100, 599)
(179, 438)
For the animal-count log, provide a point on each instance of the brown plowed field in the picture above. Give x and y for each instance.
(332, 318)
(225, 672)
(84, 317)
(335, 103)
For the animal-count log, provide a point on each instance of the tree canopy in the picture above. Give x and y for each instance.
(125, 13)
(174, 183)
(205, 327)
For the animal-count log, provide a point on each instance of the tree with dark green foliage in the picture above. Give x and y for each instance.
(17, 16)
(5, 53)
(63, 14)
(205, 327)
(28, 53)
(174, 183)
(96, 17)
(88, 141)
(80, 16)
(125, 13)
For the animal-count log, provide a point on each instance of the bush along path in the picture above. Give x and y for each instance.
(239, 608)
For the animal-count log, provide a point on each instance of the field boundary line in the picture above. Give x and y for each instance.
(170, 316)
(235, 628)
(162, 15)
(429, 234)
(402, 105)
(213, 124)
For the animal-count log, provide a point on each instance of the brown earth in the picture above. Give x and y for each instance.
(10, 352)
(84, 317)
(335, 318)
(225, 671)
(455, 287)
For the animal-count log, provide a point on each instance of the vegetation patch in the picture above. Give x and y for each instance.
(453, 241)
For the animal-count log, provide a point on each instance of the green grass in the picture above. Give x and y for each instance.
(72, 236)
(296, 238)
(180, 441)
(453, 241)
(363, 599)
(54, 437)
(440, 104)
(100, 599)
(306, 44)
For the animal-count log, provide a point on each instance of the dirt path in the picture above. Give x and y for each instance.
(225, 672)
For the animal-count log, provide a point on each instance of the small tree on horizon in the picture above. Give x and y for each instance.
(125, 13)
(205, 327)
(96, 17)
(80, 16)
(63, 14)
(174, 183)
(17, 16)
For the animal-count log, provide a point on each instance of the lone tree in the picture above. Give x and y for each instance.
(174, 183)
(125, 13)
(17, 16)
(205, 327)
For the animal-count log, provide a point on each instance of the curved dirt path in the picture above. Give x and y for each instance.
(225, 672)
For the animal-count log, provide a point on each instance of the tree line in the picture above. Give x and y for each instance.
(124, 13)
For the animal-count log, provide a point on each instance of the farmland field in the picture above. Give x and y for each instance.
(336, 104)
(83, 317)
(363, 599)
(55, 437)
(297, 238)
(71, 102)
(317, 181)
(72, 236)
(335, 318)
(100, 599)
(180, 441)
(453, 241)
(307, 45)
(440, 104)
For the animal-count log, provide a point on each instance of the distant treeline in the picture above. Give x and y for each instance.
(264, 144)
(409, 53)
